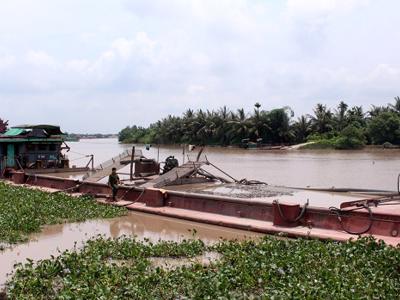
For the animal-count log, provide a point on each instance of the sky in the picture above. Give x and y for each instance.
(100, 65)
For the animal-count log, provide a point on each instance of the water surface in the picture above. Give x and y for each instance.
(55, 238)
(369, 169)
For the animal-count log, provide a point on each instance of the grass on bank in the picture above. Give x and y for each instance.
(24, 211)
(269, 268)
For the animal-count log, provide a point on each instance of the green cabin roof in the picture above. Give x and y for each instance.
(14, 132)
(23, 133)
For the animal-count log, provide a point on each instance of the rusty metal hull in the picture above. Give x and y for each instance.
(250, 214)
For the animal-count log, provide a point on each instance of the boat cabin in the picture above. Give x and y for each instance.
(32, 147)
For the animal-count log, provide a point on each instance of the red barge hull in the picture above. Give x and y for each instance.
(361, 217)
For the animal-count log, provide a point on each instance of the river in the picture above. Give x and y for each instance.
(369, 169)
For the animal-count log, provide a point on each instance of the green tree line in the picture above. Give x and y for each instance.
(342, 127)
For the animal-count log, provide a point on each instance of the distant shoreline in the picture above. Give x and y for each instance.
(297, 147)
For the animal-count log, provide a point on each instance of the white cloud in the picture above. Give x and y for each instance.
(41, 58)
(7, 61)
(154, 58)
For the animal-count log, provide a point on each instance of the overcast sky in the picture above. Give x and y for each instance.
(99, 65)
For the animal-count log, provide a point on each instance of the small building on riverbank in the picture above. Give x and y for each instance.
(32, 147)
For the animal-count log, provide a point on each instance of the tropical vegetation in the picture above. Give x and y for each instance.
(23, 211)
(343, 127)
(3, 126)
(269, 268)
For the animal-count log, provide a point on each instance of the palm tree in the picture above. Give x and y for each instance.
(377, 110)
(322, 119)
(259, 123)
(340, 116)
(240, 128)
(396, 106)
(223, 126)
(302, 128)
(356, 116)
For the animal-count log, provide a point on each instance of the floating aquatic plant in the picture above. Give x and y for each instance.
(23, 211)
(267, 268)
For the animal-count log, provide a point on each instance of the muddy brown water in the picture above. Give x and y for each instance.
(369, 169)
(55, 238)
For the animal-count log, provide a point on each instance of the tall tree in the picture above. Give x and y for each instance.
(240, 126)
(259, 124)
(396, 106)
(302, 128)
(340, 116)
(377, 110)
(385, 128)
(322, 119)
(279, 125)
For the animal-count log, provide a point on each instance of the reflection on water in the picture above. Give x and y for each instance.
(373, 169)
(60, 237)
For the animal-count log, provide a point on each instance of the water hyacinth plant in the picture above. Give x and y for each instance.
(268, 268)
(23, 211)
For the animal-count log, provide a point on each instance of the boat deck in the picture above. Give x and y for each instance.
(268, 193)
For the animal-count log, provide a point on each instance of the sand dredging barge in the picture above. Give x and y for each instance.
(193, 192)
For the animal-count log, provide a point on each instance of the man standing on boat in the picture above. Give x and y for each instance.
(113, 181)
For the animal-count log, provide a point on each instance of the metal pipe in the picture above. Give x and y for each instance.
(221, 170)
(132, 158)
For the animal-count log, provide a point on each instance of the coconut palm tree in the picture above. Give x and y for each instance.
(356, 116)
(322, 119)
(240, 126)
(259, 124)
(340, 116)
(396, 106)
(377, 110)
(302, 128)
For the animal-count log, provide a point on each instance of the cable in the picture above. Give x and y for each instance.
(338, 212)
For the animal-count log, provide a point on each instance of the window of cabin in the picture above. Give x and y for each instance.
(30, 147)
(42, 147)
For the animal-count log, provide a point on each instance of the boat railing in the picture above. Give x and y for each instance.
(111, 161)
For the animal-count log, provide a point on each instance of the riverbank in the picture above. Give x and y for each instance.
(311, 145)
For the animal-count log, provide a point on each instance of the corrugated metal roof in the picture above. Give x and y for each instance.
(14, 132)
(50, 129)
(30, 140)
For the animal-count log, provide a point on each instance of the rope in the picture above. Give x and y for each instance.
(338, 212)
(303, 211)
(68, 189)
(79, 153)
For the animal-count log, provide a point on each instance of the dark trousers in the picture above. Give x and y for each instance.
(114, 189)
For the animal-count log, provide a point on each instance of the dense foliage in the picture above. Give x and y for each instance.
(3, 126)
(267, 268)
(343, 127)
(23, 211)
